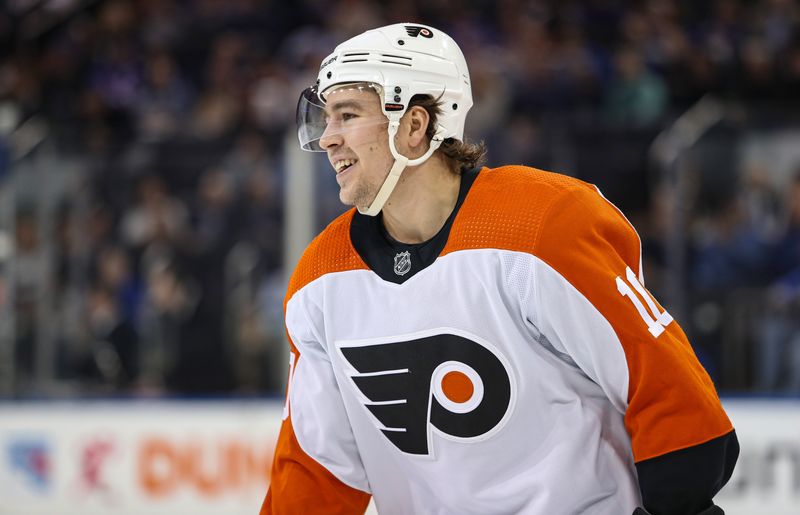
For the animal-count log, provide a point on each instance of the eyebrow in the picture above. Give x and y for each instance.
(345, 104)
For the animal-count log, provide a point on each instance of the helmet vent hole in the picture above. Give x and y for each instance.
(455, 106)
(401, 42)
(391, 56)
(396, 59)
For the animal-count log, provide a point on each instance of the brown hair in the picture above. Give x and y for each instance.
(459, 155)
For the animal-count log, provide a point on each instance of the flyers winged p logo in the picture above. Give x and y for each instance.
(453, 384)
(414, 31)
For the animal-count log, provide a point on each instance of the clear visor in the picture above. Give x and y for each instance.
(340, 110)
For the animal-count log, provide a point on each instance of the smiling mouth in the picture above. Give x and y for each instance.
(344, 165)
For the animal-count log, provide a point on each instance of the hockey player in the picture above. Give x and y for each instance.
(475, 341)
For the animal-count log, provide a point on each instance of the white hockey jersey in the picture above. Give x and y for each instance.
(514, 364)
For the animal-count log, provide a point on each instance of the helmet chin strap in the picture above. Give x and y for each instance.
(400, 164)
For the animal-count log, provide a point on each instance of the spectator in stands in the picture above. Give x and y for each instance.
(636, 97)
(30, 281)
(112, 359)
(163, 100)
(171, 300)
(756, 74)
(116, 277)
(759, 200)
(778, 332)
(260, 217)
(268, 97)
(730, 252)
(213, 215)
(156, 219)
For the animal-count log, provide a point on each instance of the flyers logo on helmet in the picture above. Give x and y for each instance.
(414, 31)
(455, 384)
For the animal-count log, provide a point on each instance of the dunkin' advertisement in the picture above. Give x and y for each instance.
(136, 457)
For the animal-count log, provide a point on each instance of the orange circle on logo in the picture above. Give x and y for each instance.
(457, 387)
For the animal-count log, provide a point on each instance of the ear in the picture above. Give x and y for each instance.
(417, 125)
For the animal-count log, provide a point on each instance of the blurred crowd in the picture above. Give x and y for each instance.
(745, 278)
(164, 274)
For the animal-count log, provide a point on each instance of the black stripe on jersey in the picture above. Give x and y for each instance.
(378, 249)
(684, 482)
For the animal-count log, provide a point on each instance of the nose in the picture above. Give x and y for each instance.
(330, 138)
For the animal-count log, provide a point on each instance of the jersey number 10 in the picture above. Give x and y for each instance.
(656, 320)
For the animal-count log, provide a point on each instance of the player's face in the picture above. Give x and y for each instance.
(357, 143)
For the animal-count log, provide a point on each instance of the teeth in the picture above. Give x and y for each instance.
(344, 163)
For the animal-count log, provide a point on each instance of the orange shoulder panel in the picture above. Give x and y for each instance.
(672, 403)
(504, 209)
(331, 251)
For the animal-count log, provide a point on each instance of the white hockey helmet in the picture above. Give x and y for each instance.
(400, 61)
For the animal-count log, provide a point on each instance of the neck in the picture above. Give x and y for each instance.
(424, 197)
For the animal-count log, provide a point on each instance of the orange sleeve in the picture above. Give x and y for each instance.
(672, 402)
(299, 484)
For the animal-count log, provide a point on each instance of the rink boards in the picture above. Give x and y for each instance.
(200, 457)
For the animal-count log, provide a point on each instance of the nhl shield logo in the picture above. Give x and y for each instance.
(402, 263)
